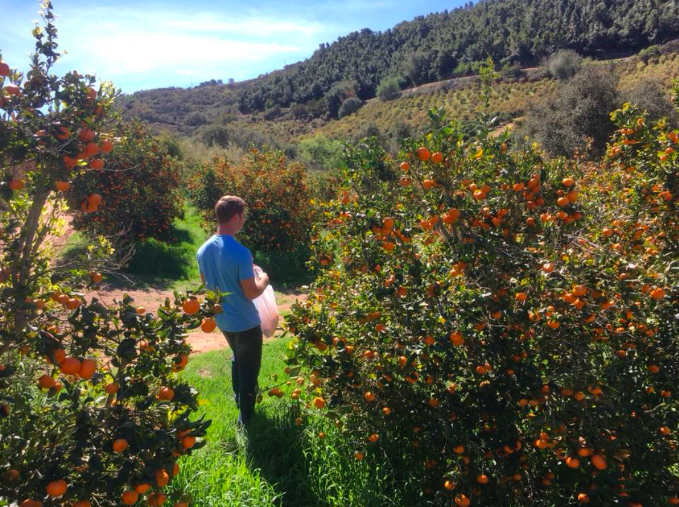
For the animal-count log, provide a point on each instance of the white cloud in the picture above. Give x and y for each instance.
(144, 45)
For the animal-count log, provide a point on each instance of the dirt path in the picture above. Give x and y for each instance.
(151, 299)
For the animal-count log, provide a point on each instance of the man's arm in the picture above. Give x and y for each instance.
(253, 287)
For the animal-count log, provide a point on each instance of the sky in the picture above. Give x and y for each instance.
(144, 44)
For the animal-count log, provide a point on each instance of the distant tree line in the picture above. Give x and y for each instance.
(451, 43)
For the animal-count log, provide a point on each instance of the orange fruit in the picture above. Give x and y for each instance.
(572, 462)
(86, 135)
(46, 381)
(140, 310)
(119, 445)
(175, 469)
(111, 388)
(208, 325)
(437, 157)
(97, 277)
(319, 402)
(423, 154)
(369, 396)
(94, 200)
(599, 462)
(166, 393)
(405, 166)
(97, 164)
(188, 442)
(16, 184)
(70, 366)
(57, 488)
(462, 501)
(583, 498)
(87, 369)
(106, 146)
(82, 503)
(191, 306)
(142, 488)
(62, 186)
(358, 455)
(156, 499)
(568, 182)
(130, 497)
(482, 479)
(162, 478)
(217, 309)
(92, 149)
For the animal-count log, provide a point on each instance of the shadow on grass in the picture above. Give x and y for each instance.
(275, 448)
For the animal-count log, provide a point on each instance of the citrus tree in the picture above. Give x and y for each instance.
(499, 328)
(92, 411)
(140, 182)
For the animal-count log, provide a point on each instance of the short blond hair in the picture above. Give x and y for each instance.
(227, 207)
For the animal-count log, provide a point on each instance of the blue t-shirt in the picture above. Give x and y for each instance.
(225, 262)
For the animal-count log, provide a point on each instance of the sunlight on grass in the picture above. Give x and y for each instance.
(276, 463)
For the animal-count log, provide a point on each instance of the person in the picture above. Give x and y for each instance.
(227, 266)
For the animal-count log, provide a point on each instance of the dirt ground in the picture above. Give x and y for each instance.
(201, 342)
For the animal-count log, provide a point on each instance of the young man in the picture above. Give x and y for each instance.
(227, 265)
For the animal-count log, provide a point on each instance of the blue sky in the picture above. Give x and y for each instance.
(141, 44)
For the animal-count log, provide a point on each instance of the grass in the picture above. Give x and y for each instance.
(276, 462)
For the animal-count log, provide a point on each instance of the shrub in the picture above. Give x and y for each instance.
(321, 153)
(215, 135)
(140, 185)
(90, 403)
(650, 95)
(279, 213)
(350, 106)
(195, 119)
(574, 117)
(389, 89)
(498, 327)
(564, 64)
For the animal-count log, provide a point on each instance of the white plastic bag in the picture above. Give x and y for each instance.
(267, 309)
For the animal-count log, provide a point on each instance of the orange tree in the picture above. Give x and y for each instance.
(91, 408)
(139, 182)
(279, 213)
(503, 328)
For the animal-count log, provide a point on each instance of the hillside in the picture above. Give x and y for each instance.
(209, 112)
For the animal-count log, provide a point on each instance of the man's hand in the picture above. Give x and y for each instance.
(255, 286)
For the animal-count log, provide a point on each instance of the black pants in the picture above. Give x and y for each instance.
(245, 365)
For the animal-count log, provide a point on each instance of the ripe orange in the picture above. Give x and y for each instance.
(140, 310)
(369, 396)
(583, 498)
(70, 366)
(57, 488)
(179, 365)
(119, 445)
(482, 479)
(97, 164)
(4, 69)
(130, 497)
(423, 154)
(94, 200)
(62, 186)
(462, 501)
(319, 402)
(142, 488)
(16, 184)
(188, 442)
(111, 388)
(82, 503)
(46, 381)
(162, 478)
(87, 369)
(191, 306)
(572, 462)
(568, 182)
(156, 499)
(208, 325)
(166, 393)
(92, 149)
(86, 135)
(373, 438)
(599, 462)
(437, 157)
(106, 146)
(175, 469)
(358, 455)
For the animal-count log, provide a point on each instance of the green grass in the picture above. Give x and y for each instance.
(172, 264)
(276, 462)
